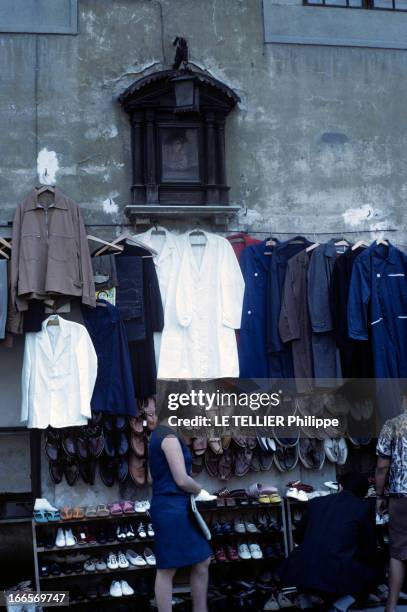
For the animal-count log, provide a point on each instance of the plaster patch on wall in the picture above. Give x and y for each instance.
(110, 207)
(47, 166)
(106, 132)
(355, 216)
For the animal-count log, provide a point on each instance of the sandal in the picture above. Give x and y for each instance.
(127, 507)
(102, 510)
(53, 516)
(91, 512)
(66, 513)
(78, 513)
(115, 509)
(40, 516)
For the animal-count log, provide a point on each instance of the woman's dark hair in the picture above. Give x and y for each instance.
(356, 483)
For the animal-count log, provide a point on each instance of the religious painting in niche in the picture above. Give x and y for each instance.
(179, 155)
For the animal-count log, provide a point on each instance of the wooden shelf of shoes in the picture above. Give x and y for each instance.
(46, 554)
(272, 536)
(294, 512)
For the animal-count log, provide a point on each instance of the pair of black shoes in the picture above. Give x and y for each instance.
(72, 469)
(111, 469)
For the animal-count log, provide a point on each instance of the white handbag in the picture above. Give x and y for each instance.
(200, 521)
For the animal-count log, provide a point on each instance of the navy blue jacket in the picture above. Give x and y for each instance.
(253, 355)
(378, 302)
(114, 390)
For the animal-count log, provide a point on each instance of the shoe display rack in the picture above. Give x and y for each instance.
(238, 524)
(93, 587)
(294, 512)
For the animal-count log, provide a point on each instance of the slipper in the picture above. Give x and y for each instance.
(199, 446)
(40, 516)
(91, 512)
(226, 442)
(243, 459)
(136, 425)
(275, 498)
(240, 441)
(78, 513)
(197, 465)
(264, 499)
(211, 463)
(102, 510)
(215, 445)
(127, 507)
(225, 465)
(53, 516)
(66, 513)
(115, 509)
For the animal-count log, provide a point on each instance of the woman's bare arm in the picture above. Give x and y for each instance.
(173, 453)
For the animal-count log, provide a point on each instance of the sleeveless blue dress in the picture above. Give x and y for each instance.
(178, 540)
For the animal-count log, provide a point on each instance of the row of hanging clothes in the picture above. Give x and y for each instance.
(320, 312)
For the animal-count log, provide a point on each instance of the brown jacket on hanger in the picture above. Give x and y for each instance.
(50, 254)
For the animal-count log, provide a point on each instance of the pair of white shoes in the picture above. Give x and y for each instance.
(251, 551)
(296, 494)
(241, 526)
(64, 538)
(142, 506)
(118, 561)
(336, 450)
(120, 588)
(135, 559)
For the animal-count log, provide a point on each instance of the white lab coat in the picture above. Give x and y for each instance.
(59, 375)
(199, 339)
(167, 264)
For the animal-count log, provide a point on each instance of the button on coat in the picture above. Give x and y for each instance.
(58, 376)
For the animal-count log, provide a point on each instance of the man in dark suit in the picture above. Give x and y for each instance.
(337, 551)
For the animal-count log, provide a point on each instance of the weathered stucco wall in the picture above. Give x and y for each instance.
(318, 143)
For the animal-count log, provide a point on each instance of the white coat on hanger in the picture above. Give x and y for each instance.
(59, 374)
(167, 263)
(199, 339)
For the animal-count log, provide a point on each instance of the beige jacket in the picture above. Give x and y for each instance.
(50, 254)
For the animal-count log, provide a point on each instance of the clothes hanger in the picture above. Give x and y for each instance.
(198, 231)
(4, 254)
(129, 238)
(45, 188)
(312, 247)
(158, 231)
(117, 248)
(53, 320)
(270, 242)
(5, 243)
(382, 241)
(342, 242)
(358, 244)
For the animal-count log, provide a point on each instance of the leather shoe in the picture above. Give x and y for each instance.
(138, 444)
(109, 446)
(52, 451)
(122, 443)
(56, 472)
(120, 423)
(68, 444)
(107, 470)
(96, 442)
(71, 471)
(87, 470)
(108, 423)
(82, 445)
(122, 469)
(137, 470)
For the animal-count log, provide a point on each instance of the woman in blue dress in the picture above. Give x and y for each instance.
(178, 540)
